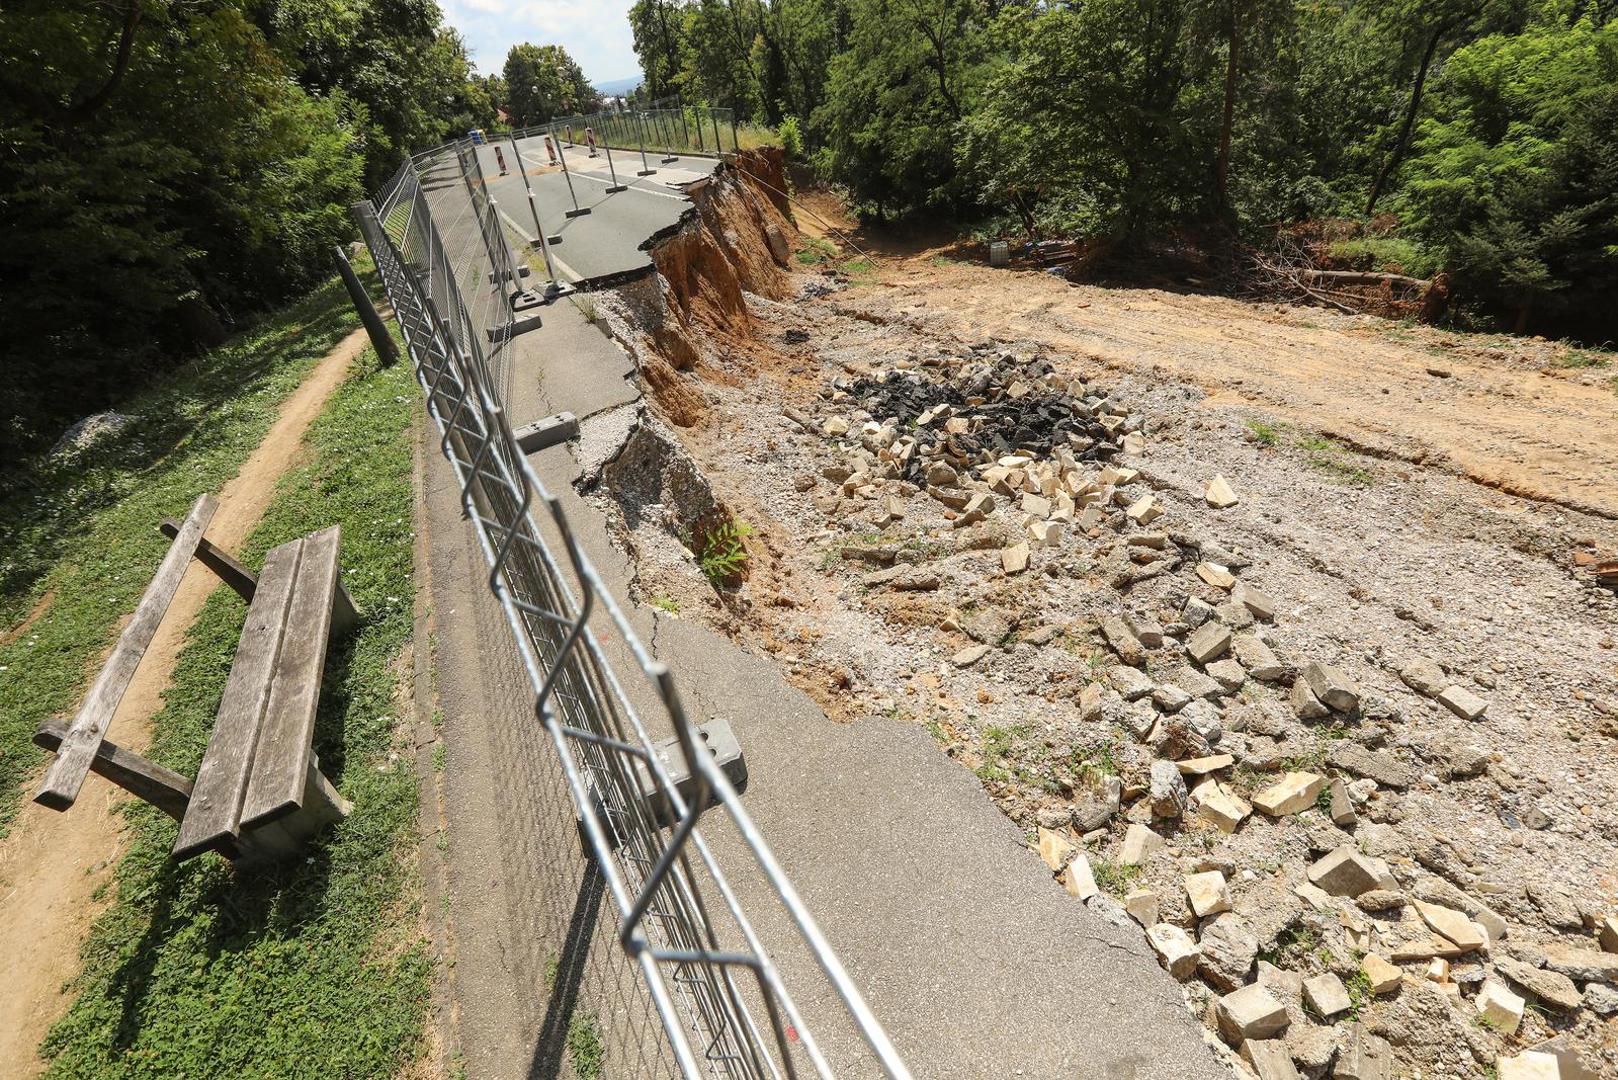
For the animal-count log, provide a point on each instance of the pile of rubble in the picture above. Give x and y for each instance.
(1255, 830)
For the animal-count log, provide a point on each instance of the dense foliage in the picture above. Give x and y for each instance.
(542, 81)
(171, 167)
(1481, 130)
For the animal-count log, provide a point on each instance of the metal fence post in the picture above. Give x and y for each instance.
(386, 350)
(645, 167)
(577, 210)
(718, 147)
(606, 147)
(553, 287)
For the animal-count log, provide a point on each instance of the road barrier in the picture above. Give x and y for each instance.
(706, 972)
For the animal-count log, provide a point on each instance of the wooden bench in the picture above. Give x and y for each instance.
(259, 790)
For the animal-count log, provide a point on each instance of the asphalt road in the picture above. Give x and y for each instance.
(605, 243)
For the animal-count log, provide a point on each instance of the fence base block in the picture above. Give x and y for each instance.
(580, 212)
(718, 739)
(645, 172)
(547, 431)
(616, 188)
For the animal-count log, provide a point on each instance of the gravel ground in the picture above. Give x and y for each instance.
(1369, 563)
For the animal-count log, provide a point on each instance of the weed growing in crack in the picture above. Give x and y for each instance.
(721, 553)
(1114, 878)
(666, 604)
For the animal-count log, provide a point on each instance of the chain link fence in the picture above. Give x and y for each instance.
(695, 989)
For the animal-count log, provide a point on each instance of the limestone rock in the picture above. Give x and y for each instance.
(1384, 768)
(1119, 635)
(1383, 976)
(1305, 703)
(1139, 845)
(970, 655)
(1363, 1056)
(1463, 703)
(1528, 1065)
(1327, 995)
(1228, 951)
(1216, 575)
(1345, 872)
(1500, 1007)
(1257, 657)
(1175, 949)
(1334, 689)
(1219, 494)
(1424, 676)
(1250, 1013)
(1452, 925)
(1208, 893)
(1142, 905)
(1168, 794)
(1079, 880)
(1552, 988)
(1055, 848)
(1209, 643)
(1269, 1059)
(1221, 805)
(1014, 559)
(1294, 792)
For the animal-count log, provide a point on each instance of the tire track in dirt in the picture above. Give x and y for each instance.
(52, 863)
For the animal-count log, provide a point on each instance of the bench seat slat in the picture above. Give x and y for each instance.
(216, 795)
(66, 774)
(282, 756)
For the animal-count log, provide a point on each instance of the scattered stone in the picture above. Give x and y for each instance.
(1228, 674)
(1168, 793)
(1079, 880)
(1202, 766)
(1055, 848)
(970, 655)
(1294, 792)
(1147, 631)
(1130, 682)
(1228, 951)
(1528, 1065)
(1601, 1000)
(1261, 604)
(1461, 762)
(1175, 949)
(1334, 689)
(1139, 845)
(1607, 934)
(1585, 965)
(1170, 698)
(1119, 635)
(1014, 559)
(1219, 494)
(1208, 893)
(1346, 872)
(1142, 905)
(1463, 703)
(1195, 612)
(1424, 676)
(1363, 1056)
(1327, 994)
(1379, 900)
(1220, 805)
(1384, 768)
(1500, 1007)
(1305, 703)
(1209, 643)
(1144, 510)
(1218, 576)
(902, 579)
(1383, 976)
(834, 426)
(1554, 989)
(1342, 806)
(1452, 925)
(1269, 1059)
(1250, 1013)
(1257, 657)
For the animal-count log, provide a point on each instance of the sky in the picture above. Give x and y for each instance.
(595, 33)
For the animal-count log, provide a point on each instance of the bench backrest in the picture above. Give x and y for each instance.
(78, 747)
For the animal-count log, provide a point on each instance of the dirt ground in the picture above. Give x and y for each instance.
(1404, 493)
(52, 865)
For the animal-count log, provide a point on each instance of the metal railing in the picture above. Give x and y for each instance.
(721, 1005)
(650, 133)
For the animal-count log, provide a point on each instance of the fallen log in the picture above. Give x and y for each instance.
(1364, 277)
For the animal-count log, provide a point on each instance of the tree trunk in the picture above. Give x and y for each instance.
(1403, 141)
(1228, 122)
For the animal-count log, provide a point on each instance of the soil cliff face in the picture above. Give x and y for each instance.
(737, 238)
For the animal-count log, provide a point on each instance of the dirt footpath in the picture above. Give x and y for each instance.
(1498, 410)
(52, 864)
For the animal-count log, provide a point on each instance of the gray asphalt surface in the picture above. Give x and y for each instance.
(605, 243)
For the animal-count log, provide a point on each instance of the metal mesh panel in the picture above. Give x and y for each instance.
(694, 989)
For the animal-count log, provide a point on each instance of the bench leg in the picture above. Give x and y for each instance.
(322, 806)
(163, 788)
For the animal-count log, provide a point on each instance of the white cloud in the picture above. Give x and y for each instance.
(596, 34)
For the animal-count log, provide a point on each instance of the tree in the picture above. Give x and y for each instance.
(542, 81)
(659, 31)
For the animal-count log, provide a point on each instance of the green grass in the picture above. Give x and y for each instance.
(721, 554)
(1582, 358)
(1389, 254)
(584, 1046)
(666, 604)
(316, 967)
(1114, 878)
(1335, 460)
(1264, 434)
(816, 250)
(85, 529)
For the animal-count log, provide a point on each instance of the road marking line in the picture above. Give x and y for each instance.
(628, 187)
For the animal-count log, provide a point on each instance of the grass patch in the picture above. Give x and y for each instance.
(1114, 878)
(859, 270)
(84, 527)
(315, 967)
(1335, 460)
(1388, 254)
(722, 553)
(1582, 358)
(816, 250)
(584, 1046)
(666, 604)
(1265, 434)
